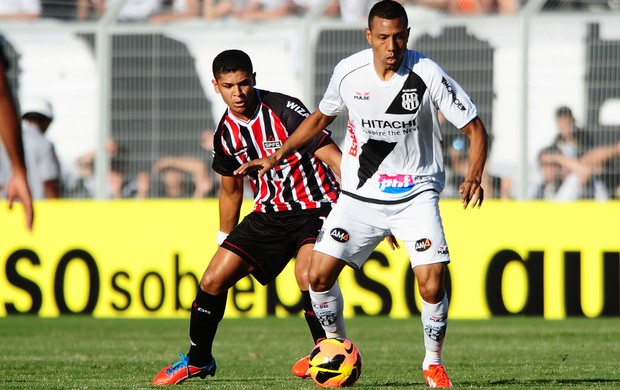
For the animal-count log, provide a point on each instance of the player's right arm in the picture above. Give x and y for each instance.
(231, 198)
(471, 190)
(307, 130)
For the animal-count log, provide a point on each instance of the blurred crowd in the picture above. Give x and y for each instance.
(173, 176)
(573, 167)
(163, 11)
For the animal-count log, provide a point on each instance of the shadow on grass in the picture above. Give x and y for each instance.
(547, 382)
(521, 383)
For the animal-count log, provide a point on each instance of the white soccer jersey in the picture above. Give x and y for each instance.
(392, 148)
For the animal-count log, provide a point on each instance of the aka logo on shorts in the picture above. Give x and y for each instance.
(422, 244)
(339, 234)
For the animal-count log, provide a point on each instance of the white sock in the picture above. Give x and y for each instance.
(434, 320)
(327, 306)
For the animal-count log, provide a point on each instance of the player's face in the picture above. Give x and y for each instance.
(388, 40)
(237, 90)
(566, 125)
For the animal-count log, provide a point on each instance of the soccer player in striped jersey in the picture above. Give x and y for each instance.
(290, 204)
(392, 171)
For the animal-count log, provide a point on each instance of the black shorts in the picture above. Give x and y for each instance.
(268, 241)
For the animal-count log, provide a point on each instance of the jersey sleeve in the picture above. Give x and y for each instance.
(449, 97)
(293, 113)
(332, 103)
(224, 161)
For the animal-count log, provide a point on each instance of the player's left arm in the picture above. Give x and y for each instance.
(331, 155)
(471, 190)
(231, 198)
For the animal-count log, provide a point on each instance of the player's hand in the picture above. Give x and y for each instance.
(471, 192)
(392, 242)
(17, 189)
(262, 165)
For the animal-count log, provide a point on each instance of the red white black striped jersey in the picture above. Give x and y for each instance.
(299, 182)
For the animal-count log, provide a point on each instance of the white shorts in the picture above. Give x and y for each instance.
(354, 228)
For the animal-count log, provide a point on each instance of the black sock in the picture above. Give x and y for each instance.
(313, 323)
(207, 312)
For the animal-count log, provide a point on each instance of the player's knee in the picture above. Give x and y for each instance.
(301, 275)
(320, 281)
(212, 285)
(431, 291)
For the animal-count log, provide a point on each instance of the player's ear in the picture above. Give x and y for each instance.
(215, 86)
(254, 79)
(368, 36)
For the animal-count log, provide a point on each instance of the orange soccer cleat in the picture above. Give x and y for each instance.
(181, 371)
(301, 368)
(436, 376)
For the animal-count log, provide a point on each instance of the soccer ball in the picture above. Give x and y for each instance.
(335, 362)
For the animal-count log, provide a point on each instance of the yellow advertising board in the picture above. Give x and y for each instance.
(144, 259)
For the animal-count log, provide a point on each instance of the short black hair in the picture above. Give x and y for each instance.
(35, 116)
(551, 149)
(564, 111)
(387, 9)
(230, 61)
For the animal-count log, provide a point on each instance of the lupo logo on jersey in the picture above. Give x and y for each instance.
(339, 234)
(395, 184)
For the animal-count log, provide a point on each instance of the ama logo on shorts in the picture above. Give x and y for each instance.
(339, 234)
(422, 244)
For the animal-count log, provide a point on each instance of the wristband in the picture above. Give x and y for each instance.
(221, 236)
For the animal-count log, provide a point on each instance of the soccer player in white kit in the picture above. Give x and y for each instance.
(392, 171)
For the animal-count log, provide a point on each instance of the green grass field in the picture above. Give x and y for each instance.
(505, 353)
